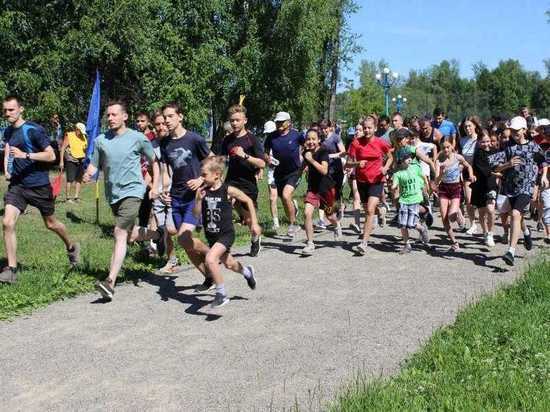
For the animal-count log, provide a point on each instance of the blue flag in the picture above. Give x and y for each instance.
(93, 124)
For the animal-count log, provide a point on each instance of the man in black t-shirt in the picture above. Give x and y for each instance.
(245, 156)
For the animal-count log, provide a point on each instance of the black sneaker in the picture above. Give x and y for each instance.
(8, 275)
(255, 246)
(74, 255)
(219, 301)
(429, 219)
(107, 292)
(207, 285)
(527, 241)
(508, 258)
(251, 281)
(161, 241)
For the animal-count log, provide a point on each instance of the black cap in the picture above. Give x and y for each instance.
(400, 134)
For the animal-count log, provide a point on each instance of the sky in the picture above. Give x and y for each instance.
(415, 34)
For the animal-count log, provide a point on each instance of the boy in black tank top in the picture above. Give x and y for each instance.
(213, 203)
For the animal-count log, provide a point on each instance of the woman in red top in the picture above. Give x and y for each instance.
(367, 155)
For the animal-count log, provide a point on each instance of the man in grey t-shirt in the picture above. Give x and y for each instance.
(118, 154)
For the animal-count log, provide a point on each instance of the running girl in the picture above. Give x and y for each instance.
(213, 203)
(321, 190)
(448, 166)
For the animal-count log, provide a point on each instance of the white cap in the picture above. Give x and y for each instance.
(517, 123)
(81, 127)
(282, 117)
(269, 126)
(544, 122)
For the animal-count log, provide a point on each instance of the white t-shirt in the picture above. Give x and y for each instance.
(427, 149)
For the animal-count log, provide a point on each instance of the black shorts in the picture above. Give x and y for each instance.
(520, 202)
(40, 197)
(252, 194)
(367, 190)
(145, 209)
(290, 179)
(225, 239)
(73, 171)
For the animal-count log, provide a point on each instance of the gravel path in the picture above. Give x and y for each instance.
(309, 327)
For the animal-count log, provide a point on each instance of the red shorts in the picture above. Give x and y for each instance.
(325, 201)
(450, 190)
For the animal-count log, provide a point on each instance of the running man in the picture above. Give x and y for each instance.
(27, 150)
(285, 144)
(246, 157)
(118, 154)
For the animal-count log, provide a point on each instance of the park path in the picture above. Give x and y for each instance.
(310, 326)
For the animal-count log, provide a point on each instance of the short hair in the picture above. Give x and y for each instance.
(118, 102)
(172, 105)
(11, 97)
(156, 114)
(311, 130)
(396, 114)
(325, 123)
(438, 111)
(384, 118)
(236, 108)
(140, 114)
(214, 164)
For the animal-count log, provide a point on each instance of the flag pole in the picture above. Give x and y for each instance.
(97, 201)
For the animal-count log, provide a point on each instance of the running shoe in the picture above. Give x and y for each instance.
(407, 248)
(255, 246)
(505, 238)
(8, 276)
(170, 267)
(107, 292)
(207, 285)
(472, 230)
(527, 241)
(547, 240)
(424, 236)
(219, 301)
(319, 225)
(74, 255)
(251, 280)
(309, 249)
(292, 230)
(361, 249)
(455, 247)
(540, 227)
(355, 227)
(429, 217)
(508, 258)
(489, 240)
(338, 233)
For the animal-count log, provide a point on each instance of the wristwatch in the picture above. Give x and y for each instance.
(28, 156)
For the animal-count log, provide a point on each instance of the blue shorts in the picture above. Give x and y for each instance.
(182, 212)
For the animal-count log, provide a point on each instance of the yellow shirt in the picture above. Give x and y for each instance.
(77, 146)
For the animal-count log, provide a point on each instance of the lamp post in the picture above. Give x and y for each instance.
(386, 79)
(399, 102)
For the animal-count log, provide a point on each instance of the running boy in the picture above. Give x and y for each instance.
(213, 203)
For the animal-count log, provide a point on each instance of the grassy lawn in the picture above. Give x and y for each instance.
(495, 357)
(44, 275)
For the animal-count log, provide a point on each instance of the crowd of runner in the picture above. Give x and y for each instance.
(163, 183)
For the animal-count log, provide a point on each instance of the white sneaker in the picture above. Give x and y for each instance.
(355, 228)
(489, 240)
(338, 233)
(361, 248)
(309, 249)
(292, 230)
(472, 230)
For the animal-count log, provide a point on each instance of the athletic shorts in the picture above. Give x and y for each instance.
(325, 201)
(450, 191)
(126, 212)
(291, 179)
(163, 214)
(545, 197)
(40, 197)
(182, 212)
(251, 194)
(225, 239)
(73, 171)
(367, 190)
(271, 178)
(520, 203)
(409, 215)
(145, 210)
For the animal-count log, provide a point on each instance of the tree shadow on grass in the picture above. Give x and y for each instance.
(106, 230)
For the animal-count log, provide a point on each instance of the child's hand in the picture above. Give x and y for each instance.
(362, 164)
(199, 195)
(308, 156)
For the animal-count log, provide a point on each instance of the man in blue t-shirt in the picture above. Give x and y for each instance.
(446, 127)
(182, 155)
(285, 144)
(27, 149)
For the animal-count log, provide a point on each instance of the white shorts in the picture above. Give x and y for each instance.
(163, 214)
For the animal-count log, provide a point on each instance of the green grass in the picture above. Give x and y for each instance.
(44, 276)
(496, 356)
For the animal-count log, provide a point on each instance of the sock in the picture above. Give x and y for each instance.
(246, 272)
(255, 238)
(276, 221)
(357, 216)
(526, 232)
(220, 288)
(71, 249)
(512, 250)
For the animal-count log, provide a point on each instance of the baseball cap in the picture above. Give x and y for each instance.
(517, 123)
(269, 126)
(81, 127)
(401, 133)
(282, 117)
